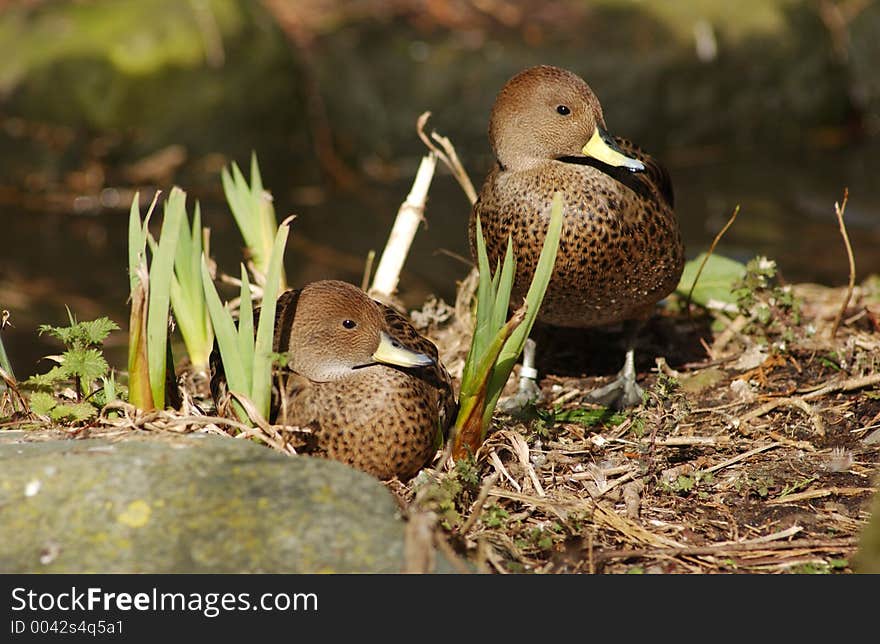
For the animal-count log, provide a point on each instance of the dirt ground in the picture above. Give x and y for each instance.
(755, 452)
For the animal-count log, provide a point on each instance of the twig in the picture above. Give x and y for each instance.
(452, 557)
(606, 516)
(478, 504)
(499, 467)
(775, 536)
(558, 508)
(847, 385)
(11, 386)
(839, 210)
(797, 402)
(591, 475)
(418, 545)
(817, 494)
(709, 254)
(738, 324)
(632, 498)
(629, 476)
(741, 457)
(448, 155)
(835, 545)
(409, 216)
(689, 441)
(521, 449)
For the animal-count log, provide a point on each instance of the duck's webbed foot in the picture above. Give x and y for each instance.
(528, 392)
(623, 391)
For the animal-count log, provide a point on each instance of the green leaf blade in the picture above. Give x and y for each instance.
(262, 378)
(161, 273)
(227, 336)
(246, 330)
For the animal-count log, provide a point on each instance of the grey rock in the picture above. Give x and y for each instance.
(189, 503)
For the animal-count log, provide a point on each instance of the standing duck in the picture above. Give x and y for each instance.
(370, 390)
(620, 251)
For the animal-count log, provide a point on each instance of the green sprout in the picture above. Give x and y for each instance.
(252, 209)
(148, 347)
(247, 362)
(187, 296)
(499, 341)
(81, 363)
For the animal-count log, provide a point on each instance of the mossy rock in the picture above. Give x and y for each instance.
(188, 504)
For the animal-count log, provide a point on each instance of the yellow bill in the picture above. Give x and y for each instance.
(602, 147)
(390, 351)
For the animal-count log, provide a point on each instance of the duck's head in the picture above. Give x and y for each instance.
(546, 113)
(337, 328)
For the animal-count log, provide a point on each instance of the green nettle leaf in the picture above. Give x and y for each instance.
(73, 412)
(58, 332)
(96, 331)
(109, 387)
(81, 334)
(716, 281)
(82, 361)
(42, 403)
(88, 364)
(54, 376)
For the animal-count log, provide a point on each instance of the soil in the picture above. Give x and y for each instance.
(755, 451)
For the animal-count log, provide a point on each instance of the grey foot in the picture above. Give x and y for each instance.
(620, 393)
(528, 393)
(623, 391)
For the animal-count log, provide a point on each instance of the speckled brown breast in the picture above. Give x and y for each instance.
(382, 420)
(620, 251)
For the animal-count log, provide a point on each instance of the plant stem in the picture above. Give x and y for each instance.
(409, 216)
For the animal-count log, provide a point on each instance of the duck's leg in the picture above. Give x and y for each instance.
(623, 391)
(528, 392)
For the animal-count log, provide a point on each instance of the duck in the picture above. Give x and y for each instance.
(620, 251)
(368, 389)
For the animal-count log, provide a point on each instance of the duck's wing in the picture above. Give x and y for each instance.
(654, 178)
(404, 332)
(285, 311)
(287, 386)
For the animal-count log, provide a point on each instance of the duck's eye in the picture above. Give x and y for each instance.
(349, 324)
(563, 109)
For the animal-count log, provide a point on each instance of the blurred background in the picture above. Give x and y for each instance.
(771, 104)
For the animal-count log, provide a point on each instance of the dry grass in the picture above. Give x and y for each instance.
(730, 466)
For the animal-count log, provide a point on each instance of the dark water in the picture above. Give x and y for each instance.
(53, 260)
(66, 181)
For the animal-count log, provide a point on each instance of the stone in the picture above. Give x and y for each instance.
(195, 503)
